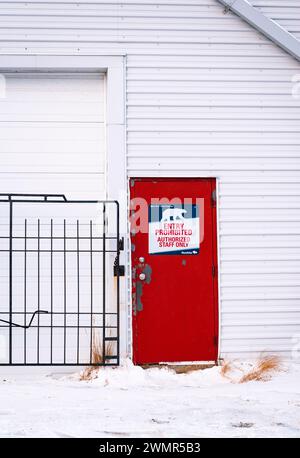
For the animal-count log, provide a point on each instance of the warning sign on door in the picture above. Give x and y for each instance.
(174, 229)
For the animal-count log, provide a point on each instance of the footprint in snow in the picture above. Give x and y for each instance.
(242, 424)
(160, 422)
(7, 412)
(63, 435)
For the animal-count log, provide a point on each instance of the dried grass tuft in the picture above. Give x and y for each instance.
(263, 369)
(90, 372)
(226, 369)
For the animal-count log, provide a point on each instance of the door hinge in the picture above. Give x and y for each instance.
(213, 198)
(214, 270)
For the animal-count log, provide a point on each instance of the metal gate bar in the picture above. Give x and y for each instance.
(32, 318)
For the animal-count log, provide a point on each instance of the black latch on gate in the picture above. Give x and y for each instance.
(119, 271)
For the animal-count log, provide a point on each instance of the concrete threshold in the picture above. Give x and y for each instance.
(180, 368)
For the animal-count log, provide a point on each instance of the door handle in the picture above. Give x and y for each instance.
(142, 279)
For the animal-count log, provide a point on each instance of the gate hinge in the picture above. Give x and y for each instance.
(213, 198)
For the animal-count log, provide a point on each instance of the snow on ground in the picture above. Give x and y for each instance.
(132, 402)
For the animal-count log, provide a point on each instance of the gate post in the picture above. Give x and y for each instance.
(10, 275)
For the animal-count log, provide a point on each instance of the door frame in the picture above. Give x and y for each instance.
(216, 255)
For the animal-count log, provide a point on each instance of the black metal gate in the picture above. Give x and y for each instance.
(55, 268)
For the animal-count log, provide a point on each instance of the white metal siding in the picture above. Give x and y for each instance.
(285, 12)
(208, 96)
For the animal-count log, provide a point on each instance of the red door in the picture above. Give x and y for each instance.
(174, 275)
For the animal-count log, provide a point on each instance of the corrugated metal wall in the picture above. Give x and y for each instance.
(206, 95)
(285, 12)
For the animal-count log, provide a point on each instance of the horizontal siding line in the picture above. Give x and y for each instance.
(266, 5)
(50, 173)
(217, 145)
(285, 334)
(261, 274)
(212, 173)
(58, 22)
(215, 131)
(254, 248)
(61, 154)
(212, 80)
(209, 173)
(162, 105)
(213, 144)
(221, 194)
(27, 31)
(233, 287)
(118, 15)
(260, 324)
(286, 299)
(49, 122)
(125, 4)
(261, 182)
(234, 314)
(212, 157)
(261, 235)
(119, 41)
(260, 261)
(114, 3)
(120, 27)
(209, 93)
(217, 55)
(242, 247)
(115, 15)
(230, 261)
(197, 159)
(261, 220)
(274, 5)
(182, 67)
(110, 2)
(297, 182)
(162, 145)
(282, 18)
(257, 208)
(255, 308)
(258, 299)
(256, 338)
(205, 118)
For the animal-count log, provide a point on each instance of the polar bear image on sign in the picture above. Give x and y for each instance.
(172, 214)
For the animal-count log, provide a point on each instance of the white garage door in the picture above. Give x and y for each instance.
(52, 135)
(52, 141)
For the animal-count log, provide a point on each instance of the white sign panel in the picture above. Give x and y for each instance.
(174, 229)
